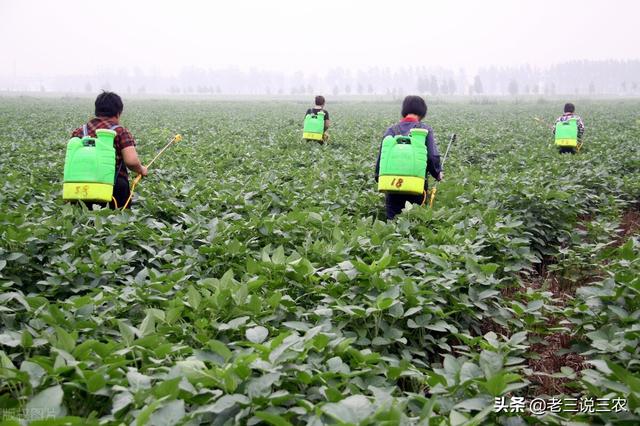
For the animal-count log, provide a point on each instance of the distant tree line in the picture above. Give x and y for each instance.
(577, 77)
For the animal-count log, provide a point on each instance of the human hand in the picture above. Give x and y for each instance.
(143, 170)
(440, 176)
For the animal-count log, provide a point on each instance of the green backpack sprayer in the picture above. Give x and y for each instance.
(313, 127)
(403, 163)
(567, 133)
(90, 167)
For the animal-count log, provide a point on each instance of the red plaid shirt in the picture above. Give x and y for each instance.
(123, 139)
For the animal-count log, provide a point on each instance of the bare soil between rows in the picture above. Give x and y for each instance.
(553, 351)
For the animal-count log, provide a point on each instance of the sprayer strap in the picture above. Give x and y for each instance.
(115, 179)
(85, 132)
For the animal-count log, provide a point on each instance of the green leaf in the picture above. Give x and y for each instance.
(223, 403)
(64, 341)
(261, 386)
(353, 409)
(96, 382)
(220, 348)
(148, 325)
(272, 419)
(233, 324)
(491, 363)
(473, 404)
(46, 404)
(169, 415)
(256, 334)
(121, 401)
(194, 298)
(35, 371)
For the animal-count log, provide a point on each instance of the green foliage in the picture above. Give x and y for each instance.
(255, 281)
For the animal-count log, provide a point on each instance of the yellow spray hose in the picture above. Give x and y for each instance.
(435, 185)
(541, 121)
(176, 138)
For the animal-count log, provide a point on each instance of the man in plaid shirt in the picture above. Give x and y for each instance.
(569, 113)
(108, 108)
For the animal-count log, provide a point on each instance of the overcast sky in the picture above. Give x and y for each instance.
(80, 36)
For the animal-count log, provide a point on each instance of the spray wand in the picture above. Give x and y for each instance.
(176, 138)
(435, 185)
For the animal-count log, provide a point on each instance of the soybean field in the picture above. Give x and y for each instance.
(256, 281)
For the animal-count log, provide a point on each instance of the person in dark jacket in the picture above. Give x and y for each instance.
(414, 110)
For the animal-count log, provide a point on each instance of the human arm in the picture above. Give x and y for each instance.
(127, 146)
(130, 158)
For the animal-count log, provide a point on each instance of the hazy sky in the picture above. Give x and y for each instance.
(80, 36)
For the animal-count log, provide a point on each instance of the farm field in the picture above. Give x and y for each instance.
(255, 280)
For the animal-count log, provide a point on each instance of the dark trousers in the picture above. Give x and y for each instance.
(121, 192)
(567, 150)
(394, 203)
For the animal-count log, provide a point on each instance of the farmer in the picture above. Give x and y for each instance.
(319, 107)
(569, 113)
(414, 109)
(108, 108)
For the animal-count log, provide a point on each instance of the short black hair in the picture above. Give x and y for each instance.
(569, 107)
(414, 105)
(108, 104)
(320, 100)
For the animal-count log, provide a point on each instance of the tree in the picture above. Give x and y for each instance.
(444, 87)
(87, 87)
(452, 86)
(592, 88)
(433, 85)
(423, 84)
(477, 85)
(370, 89)
(513, 87)
(336, 91)
(360, 89)
(347, 89)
